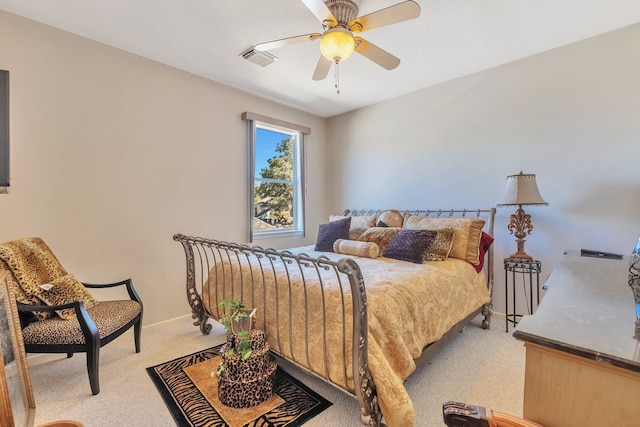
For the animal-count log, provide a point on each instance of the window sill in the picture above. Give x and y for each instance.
(279, 233)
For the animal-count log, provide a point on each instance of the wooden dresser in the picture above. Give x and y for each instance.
(582, 361)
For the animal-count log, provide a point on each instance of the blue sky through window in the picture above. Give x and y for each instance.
(266, 143)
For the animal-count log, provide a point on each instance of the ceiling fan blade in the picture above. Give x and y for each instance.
(391, 15)
(375, 54)
(322, 69)
(287, 42)
(321, 11)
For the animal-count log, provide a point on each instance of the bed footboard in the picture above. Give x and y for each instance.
(314, 309)
(294, 293)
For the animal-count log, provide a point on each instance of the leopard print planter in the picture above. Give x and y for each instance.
(247, 383)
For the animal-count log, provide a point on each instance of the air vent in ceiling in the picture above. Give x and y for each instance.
(258, 57)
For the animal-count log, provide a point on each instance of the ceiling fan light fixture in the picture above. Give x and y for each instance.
(337, 44)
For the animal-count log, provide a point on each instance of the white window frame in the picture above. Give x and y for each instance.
(298, 132)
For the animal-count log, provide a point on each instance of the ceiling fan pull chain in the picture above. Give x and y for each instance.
(337, 77)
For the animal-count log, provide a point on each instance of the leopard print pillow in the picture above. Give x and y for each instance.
(380, 236)
(64, 290)
(441, 246)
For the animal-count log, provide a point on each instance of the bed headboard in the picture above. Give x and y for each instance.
(488, 215)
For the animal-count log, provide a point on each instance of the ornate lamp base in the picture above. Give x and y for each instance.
(520, 225)
(520, 254)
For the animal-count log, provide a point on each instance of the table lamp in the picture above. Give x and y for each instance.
(521, 190)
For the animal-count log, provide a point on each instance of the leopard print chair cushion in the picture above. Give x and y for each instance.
(108, 316)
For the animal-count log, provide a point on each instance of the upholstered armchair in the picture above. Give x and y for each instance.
(459, 414)
(58, 313)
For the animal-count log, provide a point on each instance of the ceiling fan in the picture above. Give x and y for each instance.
(340, 20)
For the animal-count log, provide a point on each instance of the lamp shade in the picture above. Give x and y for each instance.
(337, 44)
(522, 189)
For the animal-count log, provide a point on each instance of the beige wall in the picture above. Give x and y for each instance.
(112, 154)
(571, 116)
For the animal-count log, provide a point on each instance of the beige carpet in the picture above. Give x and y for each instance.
(478, 366)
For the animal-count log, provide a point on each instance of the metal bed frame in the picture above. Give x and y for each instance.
(202, 255)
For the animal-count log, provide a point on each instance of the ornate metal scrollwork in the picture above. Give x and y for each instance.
(198, 311)
(366, 393)
(217, 263)
(634, 283)
(520, 225)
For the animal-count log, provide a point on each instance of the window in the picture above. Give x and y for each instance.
(276, 178)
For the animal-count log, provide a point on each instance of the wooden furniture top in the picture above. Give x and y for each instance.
(588, 311)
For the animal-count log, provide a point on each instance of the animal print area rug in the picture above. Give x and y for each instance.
(191, 394)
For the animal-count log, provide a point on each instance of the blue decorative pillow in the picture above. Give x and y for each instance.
(410, 245)
(330, 232)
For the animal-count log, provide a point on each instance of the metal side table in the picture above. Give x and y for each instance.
(522, 272)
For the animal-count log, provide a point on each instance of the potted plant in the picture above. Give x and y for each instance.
(238, 321)
(246, 373)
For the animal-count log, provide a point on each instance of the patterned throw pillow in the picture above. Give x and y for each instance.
(410, 245)
(390, 218)
(355, 232)
(64, 290)
(485, 243)
(363, 221)
(357, 220)
(352, 247)
(441, 246)
(467, 233)
(330, 232)
(380, 236)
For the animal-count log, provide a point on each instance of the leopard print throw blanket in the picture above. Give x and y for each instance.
(38, 278)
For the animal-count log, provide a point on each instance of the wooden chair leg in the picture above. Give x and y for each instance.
(93, 366)
(137, 333)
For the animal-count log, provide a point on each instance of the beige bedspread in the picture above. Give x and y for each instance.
(409, 306)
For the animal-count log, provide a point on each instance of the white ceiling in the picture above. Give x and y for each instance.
(450, 39)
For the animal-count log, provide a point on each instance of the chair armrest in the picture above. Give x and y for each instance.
(29, 307)
(107, 285)
(459, 414)
(127, 282)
